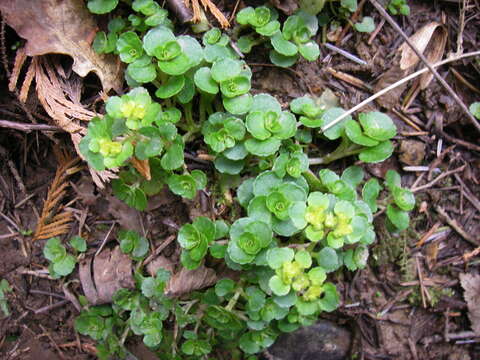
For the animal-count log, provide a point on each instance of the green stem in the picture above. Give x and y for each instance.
(313, 181)
(346, 148)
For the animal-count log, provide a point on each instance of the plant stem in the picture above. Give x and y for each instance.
(346, 148)
(313, 181)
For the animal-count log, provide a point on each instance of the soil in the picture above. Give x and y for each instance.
(386, 306)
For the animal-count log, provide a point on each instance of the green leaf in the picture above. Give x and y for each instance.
(238, 105)
(377, 153)
(101, 6)
(227, 166)
(366, 26)
(200, 178)
(350, 5)
(173, 158)
(65, 265)
(245, 192)
(370, 193)
(377, 125)
(309, 50)
(265, 182)
(78, 243)
(393, 180)
(327, 259)
(224, 287)
(183, 185)
(317, 275)
(282, 60)
(278, 287)
(353, 175)
(262, 147)
(54, 250)
(277, 256)
(337, 130)
(475, 109)
(269, 29)
(245, 15)
(142, 70)
(133, 196)
(403, 198)
(331, 299)
(129, 47)
(204, 81)
(304, 259)
(354, 133)
(398, 217)
(283, 46)
(225, 69)
(171, 88)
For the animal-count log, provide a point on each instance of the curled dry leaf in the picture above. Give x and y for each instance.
(63, 27)
(430, 40)
(187, 281)
(111, 271)
(471, 286)
(160, 262)
(127, 217)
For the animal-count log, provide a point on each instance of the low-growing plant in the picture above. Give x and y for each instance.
(61, 262)
(294, 225)
(4, 289)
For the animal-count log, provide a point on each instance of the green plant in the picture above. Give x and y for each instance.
(4, 289)
(475, 109)
(133, 244)
(61, 263)
(397, 7)
(295, 224)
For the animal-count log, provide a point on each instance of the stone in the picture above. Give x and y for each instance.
(322, 341)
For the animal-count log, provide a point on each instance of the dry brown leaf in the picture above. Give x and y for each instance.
(53, 220)
(20, 58)
(112, 270)
(287, 6)
(430, 40)
(187, 281)
(63, 27)
(471, 286)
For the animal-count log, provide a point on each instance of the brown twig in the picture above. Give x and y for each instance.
(422, 57)
(28, 127)
(437, 179)
(456, 226)
(159, 249)
(469, 195)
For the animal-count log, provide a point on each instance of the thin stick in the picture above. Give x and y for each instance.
(159, 249)
(28, 127)
(394, 85)
(456, 226)
(422, 57)
(437, 179)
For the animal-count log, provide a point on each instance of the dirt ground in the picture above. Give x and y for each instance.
(407, 304)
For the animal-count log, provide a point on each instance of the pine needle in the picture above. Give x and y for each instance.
(53, 220)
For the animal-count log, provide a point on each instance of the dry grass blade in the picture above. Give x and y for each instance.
(53, 221)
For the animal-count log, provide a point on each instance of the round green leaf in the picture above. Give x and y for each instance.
(204, 81)
(398, 217)
(354, 133)
(278, 287)
(377, 125)
(283, 46)
(377, 153)
(171, 88)
(282, 60)
(225, 69)
(238, 105)
(277, 256)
